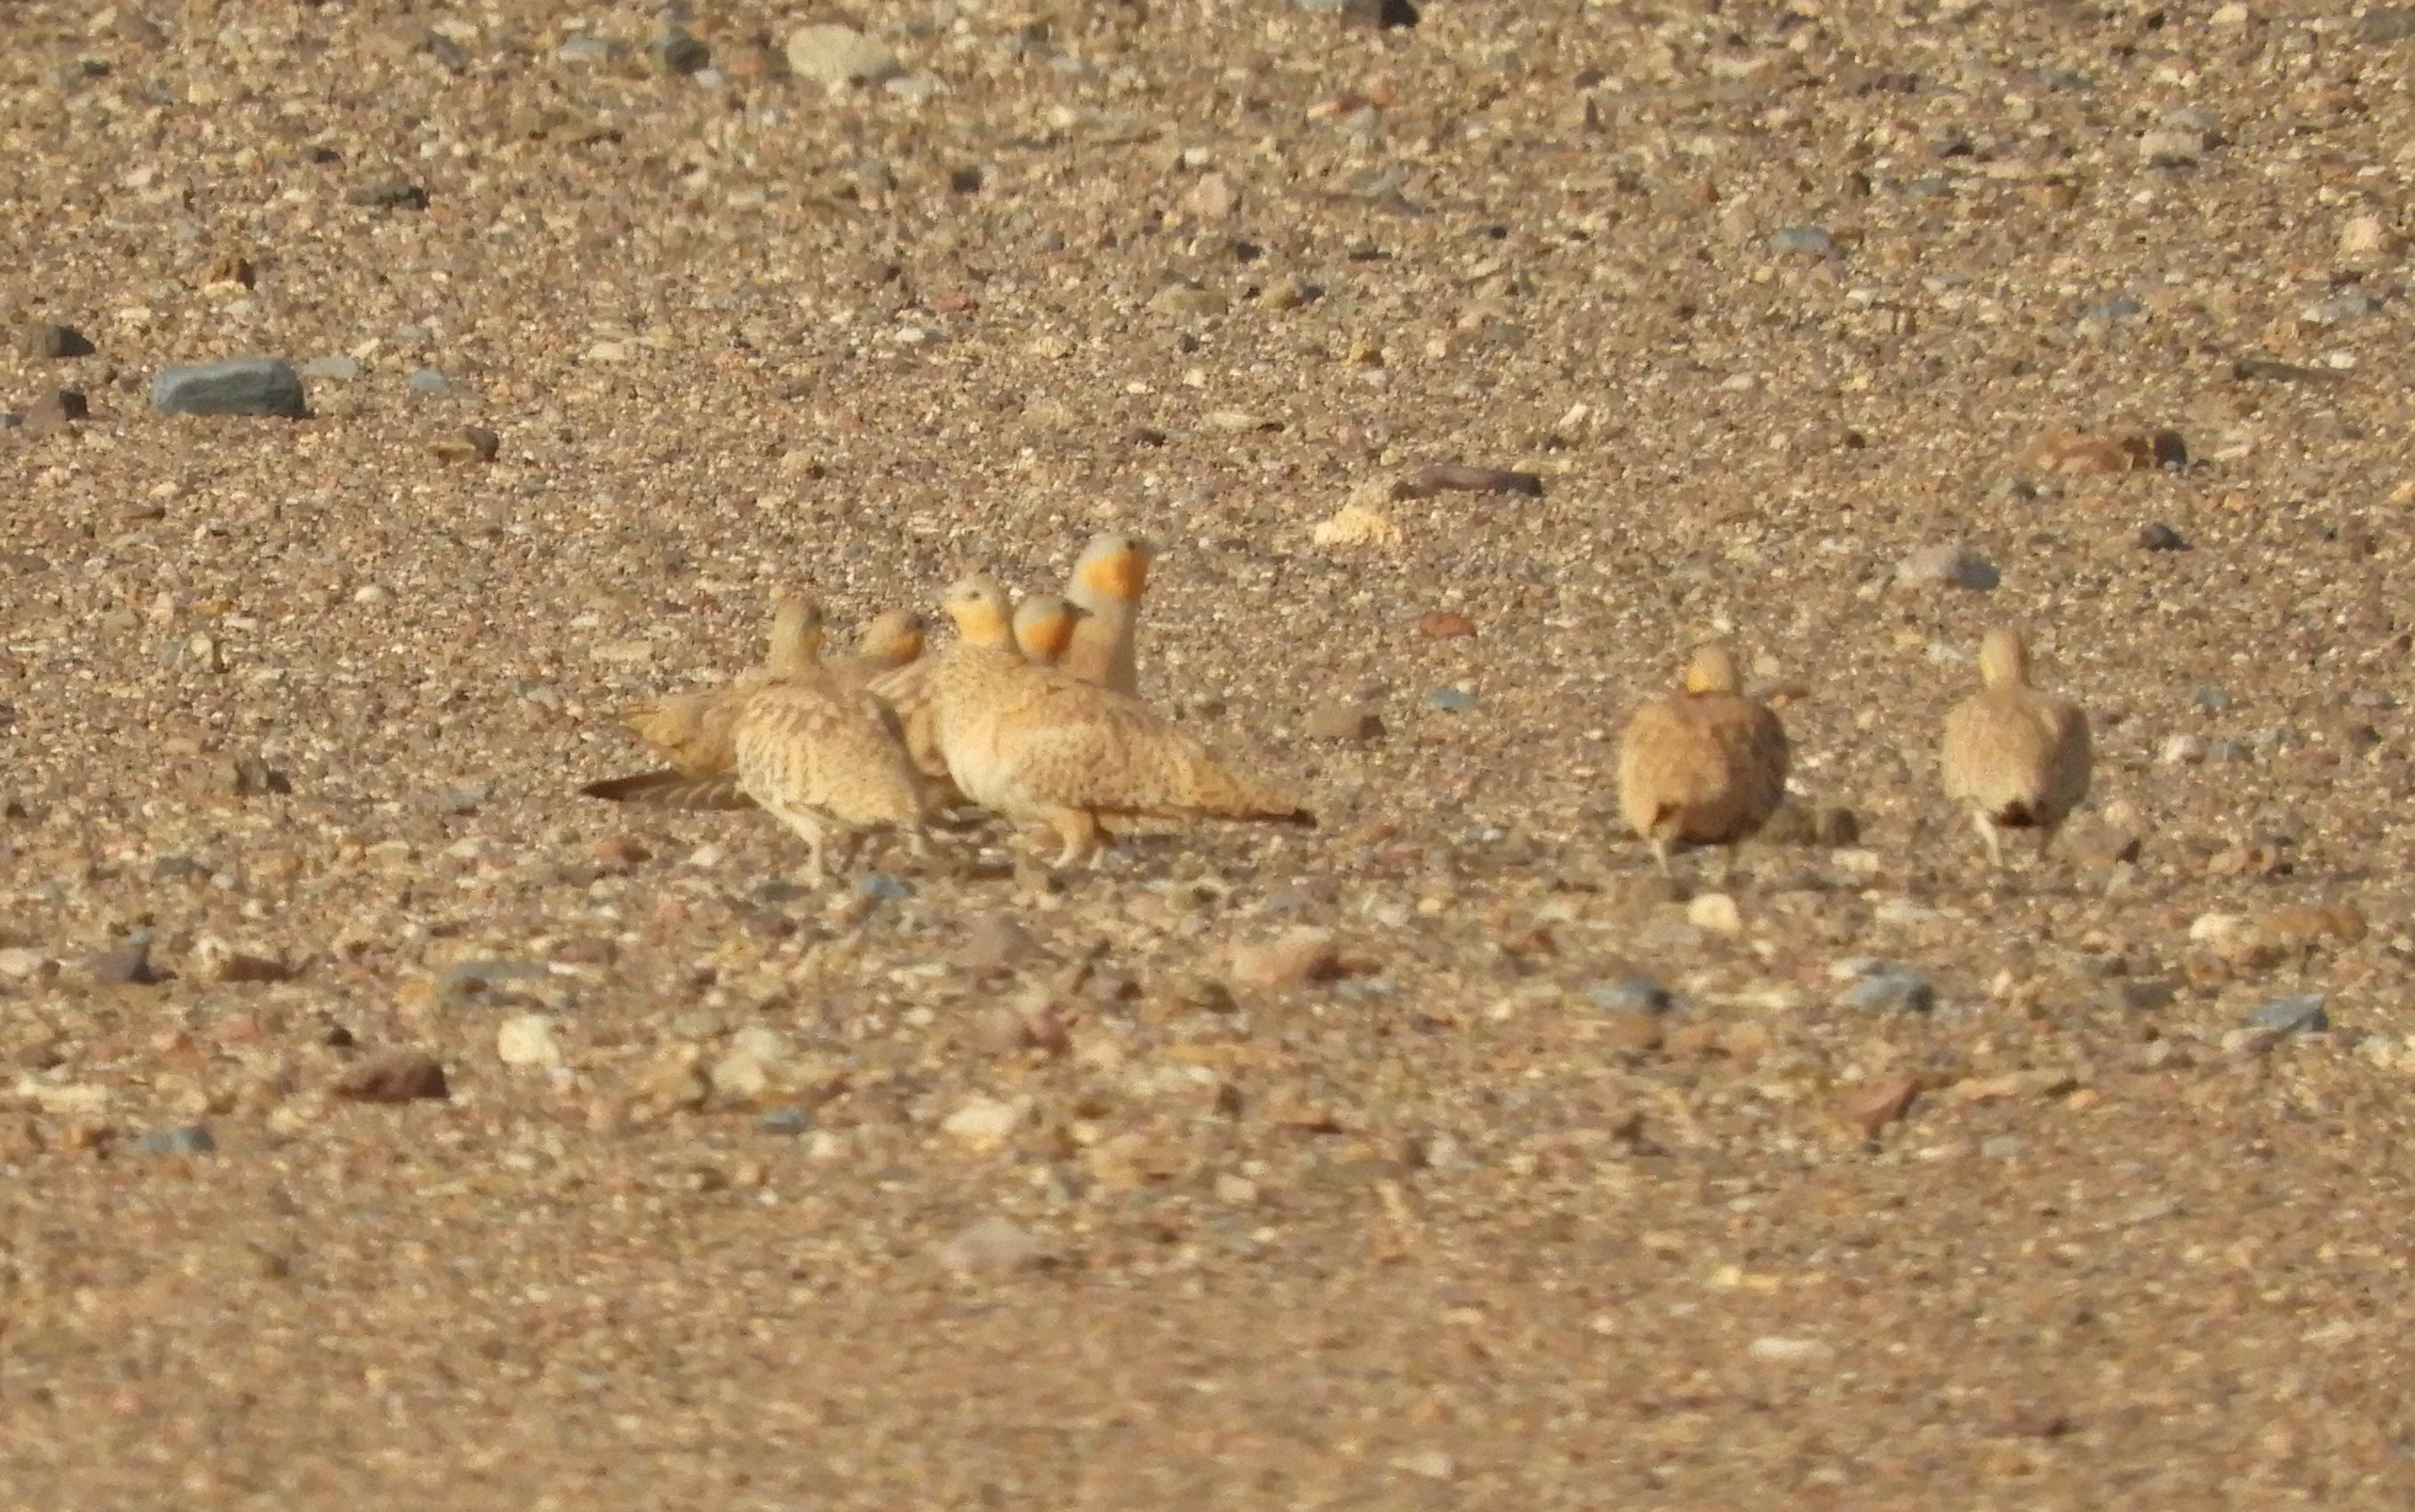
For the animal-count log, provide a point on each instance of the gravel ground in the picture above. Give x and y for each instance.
(382, 1123)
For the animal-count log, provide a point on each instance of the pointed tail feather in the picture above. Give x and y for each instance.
(670, 789)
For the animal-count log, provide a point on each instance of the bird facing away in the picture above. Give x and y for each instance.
(1108, 580)
(2016, 758)
(1044, 628)
(695, 732)
(828, 761)
(1038, 744)
(1705, 765)
(886, 641)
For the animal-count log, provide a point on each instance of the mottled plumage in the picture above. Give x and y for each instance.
(908, 691)
(1108, 580)
(2018, 759)
(886, 642)
(1705, 765)
(694, 730)
(826, 759)
(1036, 743)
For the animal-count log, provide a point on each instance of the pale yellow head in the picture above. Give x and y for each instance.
(1114, 565)
(796, 632)
(978, 607)
(893, 638)
(1712, 668)
(2003, 658)
(1044, 627)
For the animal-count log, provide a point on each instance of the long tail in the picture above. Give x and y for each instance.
(671, 789)
(1217, 792)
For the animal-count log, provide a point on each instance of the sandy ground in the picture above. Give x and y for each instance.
(1444, 1157)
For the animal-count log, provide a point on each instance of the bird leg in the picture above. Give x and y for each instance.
(1660, 854)
(1987, 828)
(1079, 830)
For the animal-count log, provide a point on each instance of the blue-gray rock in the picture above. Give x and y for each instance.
(2213, 698)
(338, 369)
(2226, 750)
(677, 50)
(785, 1121)
(428, 380)
(10, 419)
(883, 888)
(583, 49)
(2119, 307)
(241, 385)
(1631, 994)
(126, 966)
(1803, 241)
(2347, 305)
(390, 194)
(1451, 700)
(1929, 186)
(2300, 1014)
(1949, 566)
(2161, 537)
(1892, 990)
(179, 1139)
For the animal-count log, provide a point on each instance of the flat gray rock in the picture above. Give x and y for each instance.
(241, 385)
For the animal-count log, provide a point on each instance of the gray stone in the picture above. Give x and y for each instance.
(340, 370)
(883, 888)
(2387, 24)
(388, 194)
(1631, 994)
(790, 1120)
(1949, 566)
(2171, 146)
(833, 54)
(241, 385)
(2347, 305)
(47, 341)
(2161, 537)
(993, 1244)
(1451, 700)
(2119, 307)
(1803, 241)
(677, 50)
(2300, 1014)
(125, 966)
(1890, 990)
(2226, 750)
(583, 50)
(428, 380)
(178, 1139)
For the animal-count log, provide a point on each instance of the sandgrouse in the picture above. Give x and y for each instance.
(1705, 765)
(2016, 758)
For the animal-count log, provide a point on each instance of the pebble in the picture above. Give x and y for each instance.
(678, 52)
(394, 1076)
(2347, 305)
(986, 1123)
(2364, 236)
(1188, 301)
(215, 962)
(2003, 1147)
(2209, 698)
(834, 54)
(1451, 700)
(242, 386)
(1343, 721)
(1890, 990)
(2183, 750)
(527, 1040)
(1803, 241)
(1631, 994)
(1462, 477)
(123, 966)
(45, 340)
(993, 1244)
(1355, 524)
(471, 444)
(2171, 146)
(178, 1139)
(333, 369)
(20, 964)
(2159, 536)
(2384, 24)
(2301, 1014)
(388, 194)
(1871, 1108)
(428, 380)
(994, 941)
(58, 409)
(1950, 567)
(788, 1120)
(1292, 959)
(883, 888)
(582, 49)
(1716, 912)
(1442, 624)
(1778, 1351)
